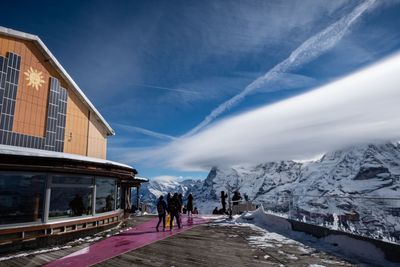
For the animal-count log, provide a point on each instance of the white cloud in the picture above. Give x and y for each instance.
(362, 107)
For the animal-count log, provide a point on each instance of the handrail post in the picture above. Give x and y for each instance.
(228, 186)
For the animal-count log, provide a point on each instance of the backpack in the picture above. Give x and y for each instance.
(160, 208)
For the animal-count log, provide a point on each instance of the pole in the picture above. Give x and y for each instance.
(229, 200)
(138, 196)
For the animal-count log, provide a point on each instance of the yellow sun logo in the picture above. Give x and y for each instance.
(34, 78)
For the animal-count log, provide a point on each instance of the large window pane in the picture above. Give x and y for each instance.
(118, 197)
(21, 197)
(70, 202)
(75, 180)
(105, 194)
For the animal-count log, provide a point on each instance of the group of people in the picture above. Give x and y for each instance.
(174, 207)
(236, 199)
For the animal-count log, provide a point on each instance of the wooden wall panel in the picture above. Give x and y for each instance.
(81, 136)
(76, 127)
(31, 105)
(97, 146)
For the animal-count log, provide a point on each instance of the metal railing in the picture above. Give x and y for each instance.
(378, 218)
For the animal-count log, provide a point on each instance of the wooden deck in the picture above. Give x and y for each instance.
(40, 259)
(206, 245)
(213, 245)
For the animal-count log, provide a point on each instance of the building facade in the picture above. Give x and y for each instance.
(54, 176)
(40, 108)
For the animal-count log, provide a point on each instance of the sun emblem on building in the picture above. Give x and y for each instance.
(34, 78)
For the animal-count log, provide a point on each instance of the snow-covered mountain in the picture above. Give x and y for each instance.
(370, 170)
(357, 187)
(151, 191)
(342, 185)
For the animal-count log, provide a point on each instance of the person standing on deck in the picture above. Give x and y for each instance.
(180, 198)
(168, 201)
(223, 200)
(236, 198)
(161, 210)
(174, 211)
(189, 205)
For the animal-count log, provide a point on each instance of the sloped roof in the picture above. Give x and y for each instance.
(32, 152)
(29, 159)
(63, 73)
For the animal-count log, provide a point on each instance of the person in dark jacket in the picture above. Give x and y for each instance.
(189, 205)
(215, 211)
(223, 200)
(77, 206)
(161, 210)
(168, 201)
(174, 207)
(180, 198)
(236, 198)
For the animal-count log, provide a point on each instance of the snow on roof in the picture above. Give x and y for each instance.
(141, 179)
(54, 62)
(23, 151)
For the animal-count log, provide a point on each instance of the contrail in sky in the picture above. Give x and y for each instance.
(186, 91)
(307, 51)
(146, 132)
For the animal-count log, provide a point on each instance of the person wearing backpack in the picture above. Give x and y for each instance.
(161, 210)
(174, 207)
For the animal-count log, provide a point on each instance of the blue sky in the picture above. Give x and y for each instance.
(156, 69)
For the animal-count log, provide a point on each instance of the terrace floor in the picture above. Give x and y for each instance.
(210, 244)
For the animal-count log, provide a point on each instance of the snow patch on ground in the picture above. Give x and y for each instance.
(33, 253)
(337, 263)
(79, 252)
(76, 242)
(277, 232)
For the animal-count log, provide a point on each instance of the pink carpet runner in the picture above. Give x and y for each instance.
(139, 236)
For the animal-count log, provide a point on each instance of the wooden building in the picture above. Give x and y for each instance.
(54, 175)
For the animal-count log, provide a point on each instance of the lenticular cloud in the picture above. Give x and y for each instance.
(363, 107)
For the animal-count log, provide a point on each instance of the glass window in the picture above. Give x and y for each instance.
(75, 180)
(105, 194)
(21, 197)
(118, 197)
(70, 201)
